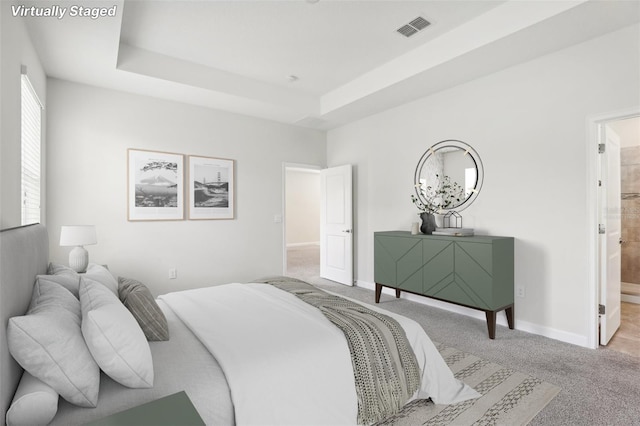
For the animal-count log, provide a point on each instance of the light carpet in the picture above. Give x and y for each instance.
(508, 397)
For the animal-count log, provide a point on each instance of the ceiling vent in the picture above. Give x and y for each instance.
(414, 26)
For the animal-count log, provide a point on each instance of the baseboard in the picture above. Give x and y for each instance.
(631, 298)
(313, 243)
(563, 336)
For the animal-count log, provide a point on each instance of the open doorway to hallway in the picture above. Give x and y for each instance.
(627, 338)
(302, 222)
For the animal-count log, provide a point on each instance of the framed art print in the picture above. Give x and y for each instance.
(211, 188)
(155, 185)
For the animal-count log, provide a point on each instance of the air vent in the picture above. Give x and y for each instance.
(414, 26)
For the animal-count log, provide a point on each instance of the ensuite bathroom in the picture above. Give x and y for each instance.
(627, 338)
(629, 132)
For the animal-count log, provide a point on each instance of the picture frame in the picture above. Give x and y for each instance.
(155, 185)
(211, 188)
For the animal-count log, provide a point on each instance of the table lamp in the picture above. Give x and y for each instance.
(78, 236)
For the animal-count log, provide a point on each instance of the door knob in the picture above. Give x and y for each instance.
(348, 231)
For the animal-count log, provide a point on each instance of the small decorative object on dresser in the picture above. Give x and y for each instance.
(452, 220)
(476, 271)
(428, 223)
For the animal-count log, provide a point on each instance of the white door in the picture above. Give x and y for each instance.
(336, 224)
(610, 256)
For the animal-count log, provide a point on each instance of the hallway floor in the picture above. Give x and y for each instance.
(627, 338)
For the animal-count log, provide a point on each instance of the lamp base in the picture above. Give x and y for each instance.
(78, 259)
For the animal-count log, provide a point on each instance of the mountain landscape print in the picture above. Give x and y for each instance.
(156, 184)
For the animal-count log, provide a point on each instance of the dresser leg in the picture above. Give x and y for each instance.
(397, 293)
(378, 292)
(491, 323)
(509, 312)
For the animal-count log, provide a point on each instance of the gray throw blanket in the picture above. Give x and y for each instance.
(385, 368)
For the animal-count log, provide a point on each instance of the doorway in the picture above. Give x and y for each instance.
(629, 132)
(302, 222)
(625, 130)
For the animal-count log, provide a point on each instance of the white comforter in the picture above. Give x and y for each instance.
(286, 364)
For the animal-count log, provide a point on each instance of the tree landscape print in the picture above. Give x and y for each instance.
(155, 185)
(210, 188)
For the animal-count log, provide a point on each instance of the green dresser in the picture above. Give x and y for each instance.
(476, 272)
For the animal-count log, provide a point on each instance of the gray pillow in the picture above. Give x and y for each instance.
(47, 342)
(138, 299)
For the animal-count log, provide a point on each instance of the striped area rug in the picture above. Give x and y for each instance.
(508, 397)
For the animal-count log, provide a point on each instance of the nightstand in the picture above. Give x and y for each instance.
(171, 410)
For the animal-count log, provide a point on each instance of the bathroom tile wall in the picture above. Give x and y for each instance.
(630, 188)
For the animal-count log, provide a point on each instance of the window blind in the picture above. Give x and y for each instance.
(31, 140)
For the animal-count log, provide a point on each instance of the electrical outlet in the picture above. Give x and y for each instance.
(173, 273)
(520, 291)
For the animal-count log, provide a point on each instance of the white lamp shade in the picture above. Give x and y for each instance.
(78, 235)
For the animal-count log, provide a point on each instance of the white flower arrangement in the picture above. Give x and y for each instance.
(434, 200)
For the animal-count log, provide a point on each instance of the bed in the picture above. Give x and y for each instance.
(296, 373)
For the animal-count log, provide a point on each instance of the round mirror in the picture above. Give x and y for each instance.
(448, 176)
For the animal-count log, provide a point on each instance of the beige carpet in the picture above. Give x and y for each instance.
(508, 396)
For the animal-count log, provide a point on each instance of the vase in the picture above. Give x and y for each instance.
(428, 223)
(439, 220)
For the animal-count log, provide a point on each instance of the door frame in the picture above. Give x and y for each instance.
(593, 137)
(286, 166)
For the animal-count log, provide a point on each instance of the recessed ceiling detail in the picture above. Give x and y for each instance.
(171, 50)
(414, 26)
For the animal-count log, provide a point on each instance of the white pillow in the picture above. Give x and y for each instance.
(63, 275)
(60, 269)
(103, 276)
(47, 342)
(67, 281)
(114, 337)
(35, 403)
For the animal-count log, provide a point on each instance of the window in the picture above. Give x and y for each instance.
(31, 140)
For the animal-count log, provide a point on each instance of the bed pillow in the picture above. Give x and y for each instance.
(137, 298)
(69, 282)
(34, 403)
(60, 269)
(63, 275)
(114, 337)
(48, 343)
(103, 276)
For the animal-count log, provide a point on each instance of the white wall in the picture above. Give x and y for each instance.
(303, 206)
(90, 130)
(15, 50)
(529, 126)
